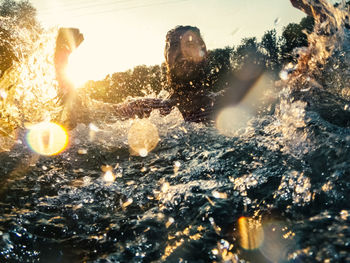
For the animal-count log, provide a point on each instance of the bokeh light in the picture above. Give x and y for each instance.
(273, 239)
(142, 137)
(279, 239)
(256, 101)
(232, 119)
(47, 138)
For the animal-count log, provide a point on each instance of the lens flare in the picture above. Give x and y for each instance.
(250, 232)
(142, 137)
(47, 138)
(232, 119)
(278, 241)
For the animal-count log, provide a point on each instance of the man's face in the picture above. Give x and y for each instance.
(184, 53)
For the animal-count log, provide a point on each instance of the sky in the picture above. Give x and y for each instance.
(120, 34)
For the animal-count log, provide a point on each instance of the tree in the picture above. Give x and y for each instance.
(219, 63)
(294, 36)
(271, 50)
(247, 52)
(142, 80)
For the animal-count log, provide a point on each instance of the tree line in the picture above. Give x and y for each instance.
(271, 53)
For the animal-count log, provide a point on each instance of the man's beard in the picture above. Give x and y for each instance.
(185, 72)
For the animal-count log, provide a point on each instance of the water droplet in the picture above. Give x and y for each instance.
(109, 177)
(143, 152)
(277, 21)
(82, 151)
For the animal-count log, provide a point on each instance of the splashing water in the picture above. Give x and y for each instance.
(29, 86)
(275, 192)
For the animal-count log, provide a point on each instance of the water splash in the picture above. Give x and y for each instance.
(185, 200)
(30, 84)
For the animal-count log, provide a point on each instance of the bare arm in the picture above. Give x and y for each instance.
(142, 108)
(68, 39)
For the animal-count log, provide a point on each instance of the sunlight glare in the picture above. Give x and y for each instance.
(77, 69)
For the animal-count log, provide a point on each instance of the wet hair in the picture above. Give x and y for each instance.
(174, 34)
(193, 72)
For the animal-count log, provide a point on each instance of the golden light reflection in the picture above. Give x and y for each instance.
(93, 130)
(6, 143)
(128, 202)
(29, 87)
(180, 237)
(250, 232)
(8, 136)
(142, 137)
(273, 239)
(47, 138)
(109, 177)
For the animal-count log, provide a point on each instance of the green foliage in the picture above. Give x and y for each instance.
(271, 53)
(140, 81)
(271, 50)
(294, 36)
(220, 67)
(247, 52)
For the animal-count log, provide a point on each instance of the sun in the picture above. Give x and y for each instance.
(77, 70)
(90, 61)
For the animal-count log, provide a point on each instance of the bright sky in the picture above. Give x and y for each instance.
(120, 34)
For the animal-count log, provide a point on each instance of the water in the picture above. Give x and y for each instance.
(274, 191)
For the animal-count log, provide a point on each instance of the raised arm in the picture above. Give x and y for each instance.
(68, 39)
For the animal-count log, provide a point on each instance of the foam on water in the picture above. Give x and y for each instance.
(198, 196)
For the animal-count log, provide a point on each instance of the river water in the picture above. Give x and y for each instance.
(275, 190)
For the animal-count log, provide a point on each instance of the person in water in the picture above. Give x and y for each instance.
(188, 71)
(185, 57)
(187, 64)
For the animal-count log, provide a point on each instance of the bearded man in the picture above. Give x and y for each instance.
(190, 82)
(188, 74)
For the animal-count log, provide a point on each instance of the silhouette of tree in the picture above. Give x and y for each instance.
(294, 36)
(247, 52)
(142, 80)
(220, 67)
(271, 50)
